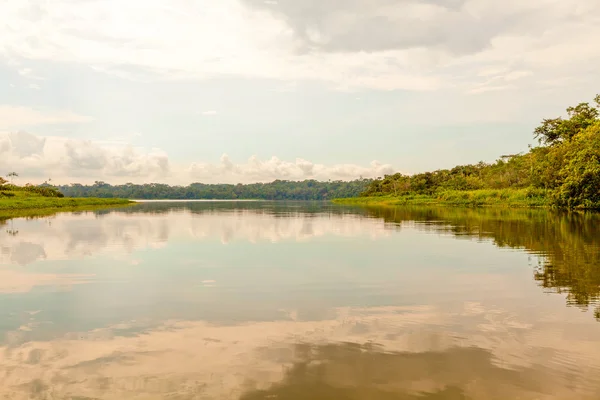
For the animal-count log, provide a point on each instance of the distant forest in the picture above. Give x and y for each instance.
(277, 190)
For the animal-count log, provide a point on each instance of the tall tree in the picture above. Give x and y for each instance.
(12, 175)
(557, 130)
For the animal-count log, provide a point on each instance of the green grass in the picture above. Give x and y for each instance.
(467, 198)
(43, 212)
(16, 200)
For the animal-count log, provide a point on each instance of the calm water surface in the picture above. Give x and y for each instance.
(256, 300)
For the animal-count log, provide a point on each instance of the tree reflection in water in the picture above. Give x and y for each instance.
(569, 243)
(360, 372)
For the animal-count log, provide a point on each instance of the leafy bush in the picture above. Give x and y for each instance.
(580, 172)
(44, 191)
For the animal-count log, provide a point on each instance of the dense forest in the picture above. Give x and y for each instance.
(565, 166)
(277, 190)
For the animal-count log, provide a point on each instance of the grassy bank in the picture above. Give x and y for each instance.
(16, 200)
(466, 198)
(6, 214)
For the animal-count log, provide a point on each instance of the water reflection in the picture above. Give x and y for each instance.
(362, 353)
(568, 242)
(354, 371)
(304, 300)
(154, 224)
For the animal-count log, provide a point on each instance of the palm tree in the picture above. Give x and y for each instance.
(12, 175)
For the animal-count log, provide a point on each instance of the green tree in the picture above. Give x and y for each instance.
(580, 171)
(557, 130)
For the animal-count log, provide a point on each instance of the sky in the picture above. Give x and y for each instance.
(239, 91)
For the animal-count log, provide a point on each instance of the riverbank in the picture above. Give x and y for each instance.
(21, 200)
(467, 198)
(6, 214)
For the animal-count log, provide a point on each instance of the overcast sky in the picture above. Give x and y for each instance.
(179, 91)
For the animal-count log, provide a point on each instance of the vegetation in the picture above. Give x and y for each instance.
(564, 171)
(33, 213)
(484, 197)
(277, 190)
(15, 198)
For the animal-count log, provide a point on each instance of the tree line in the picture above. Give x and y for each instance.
(565, 166)
(277, 190)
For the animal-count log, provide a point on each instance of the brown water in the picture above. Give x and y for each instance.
(258, 300)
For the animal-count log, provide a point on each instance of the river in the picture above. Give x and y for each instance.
(269, 300)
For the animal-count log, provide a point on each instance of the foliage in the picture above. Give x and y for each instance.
(564, 171)
(22, 200)
(3, 181)
(580, 172)
(44, 191)
(527, 197)
(277, 190)
(82, 205)
(557, 130)
(29, 197)
(508, 172)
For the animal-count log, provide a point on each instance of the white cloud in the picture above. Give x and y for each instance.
(16, 117)
(34, 86)
(209, 112)
(25, 71)
(515, 75)
(182, 39)
(69, 160)
(487, 88)
(62, 158)
(29, 73)
(256, 170)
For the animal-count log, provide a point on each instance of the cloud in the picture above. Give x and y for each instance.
(28, 73)
(488, 88)
(67, 160)
(25, 71)
(209, 112)
(256, 170)
(380, 25)
(380, 44)
(376, 44)
(17, 116)
(40, 157)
